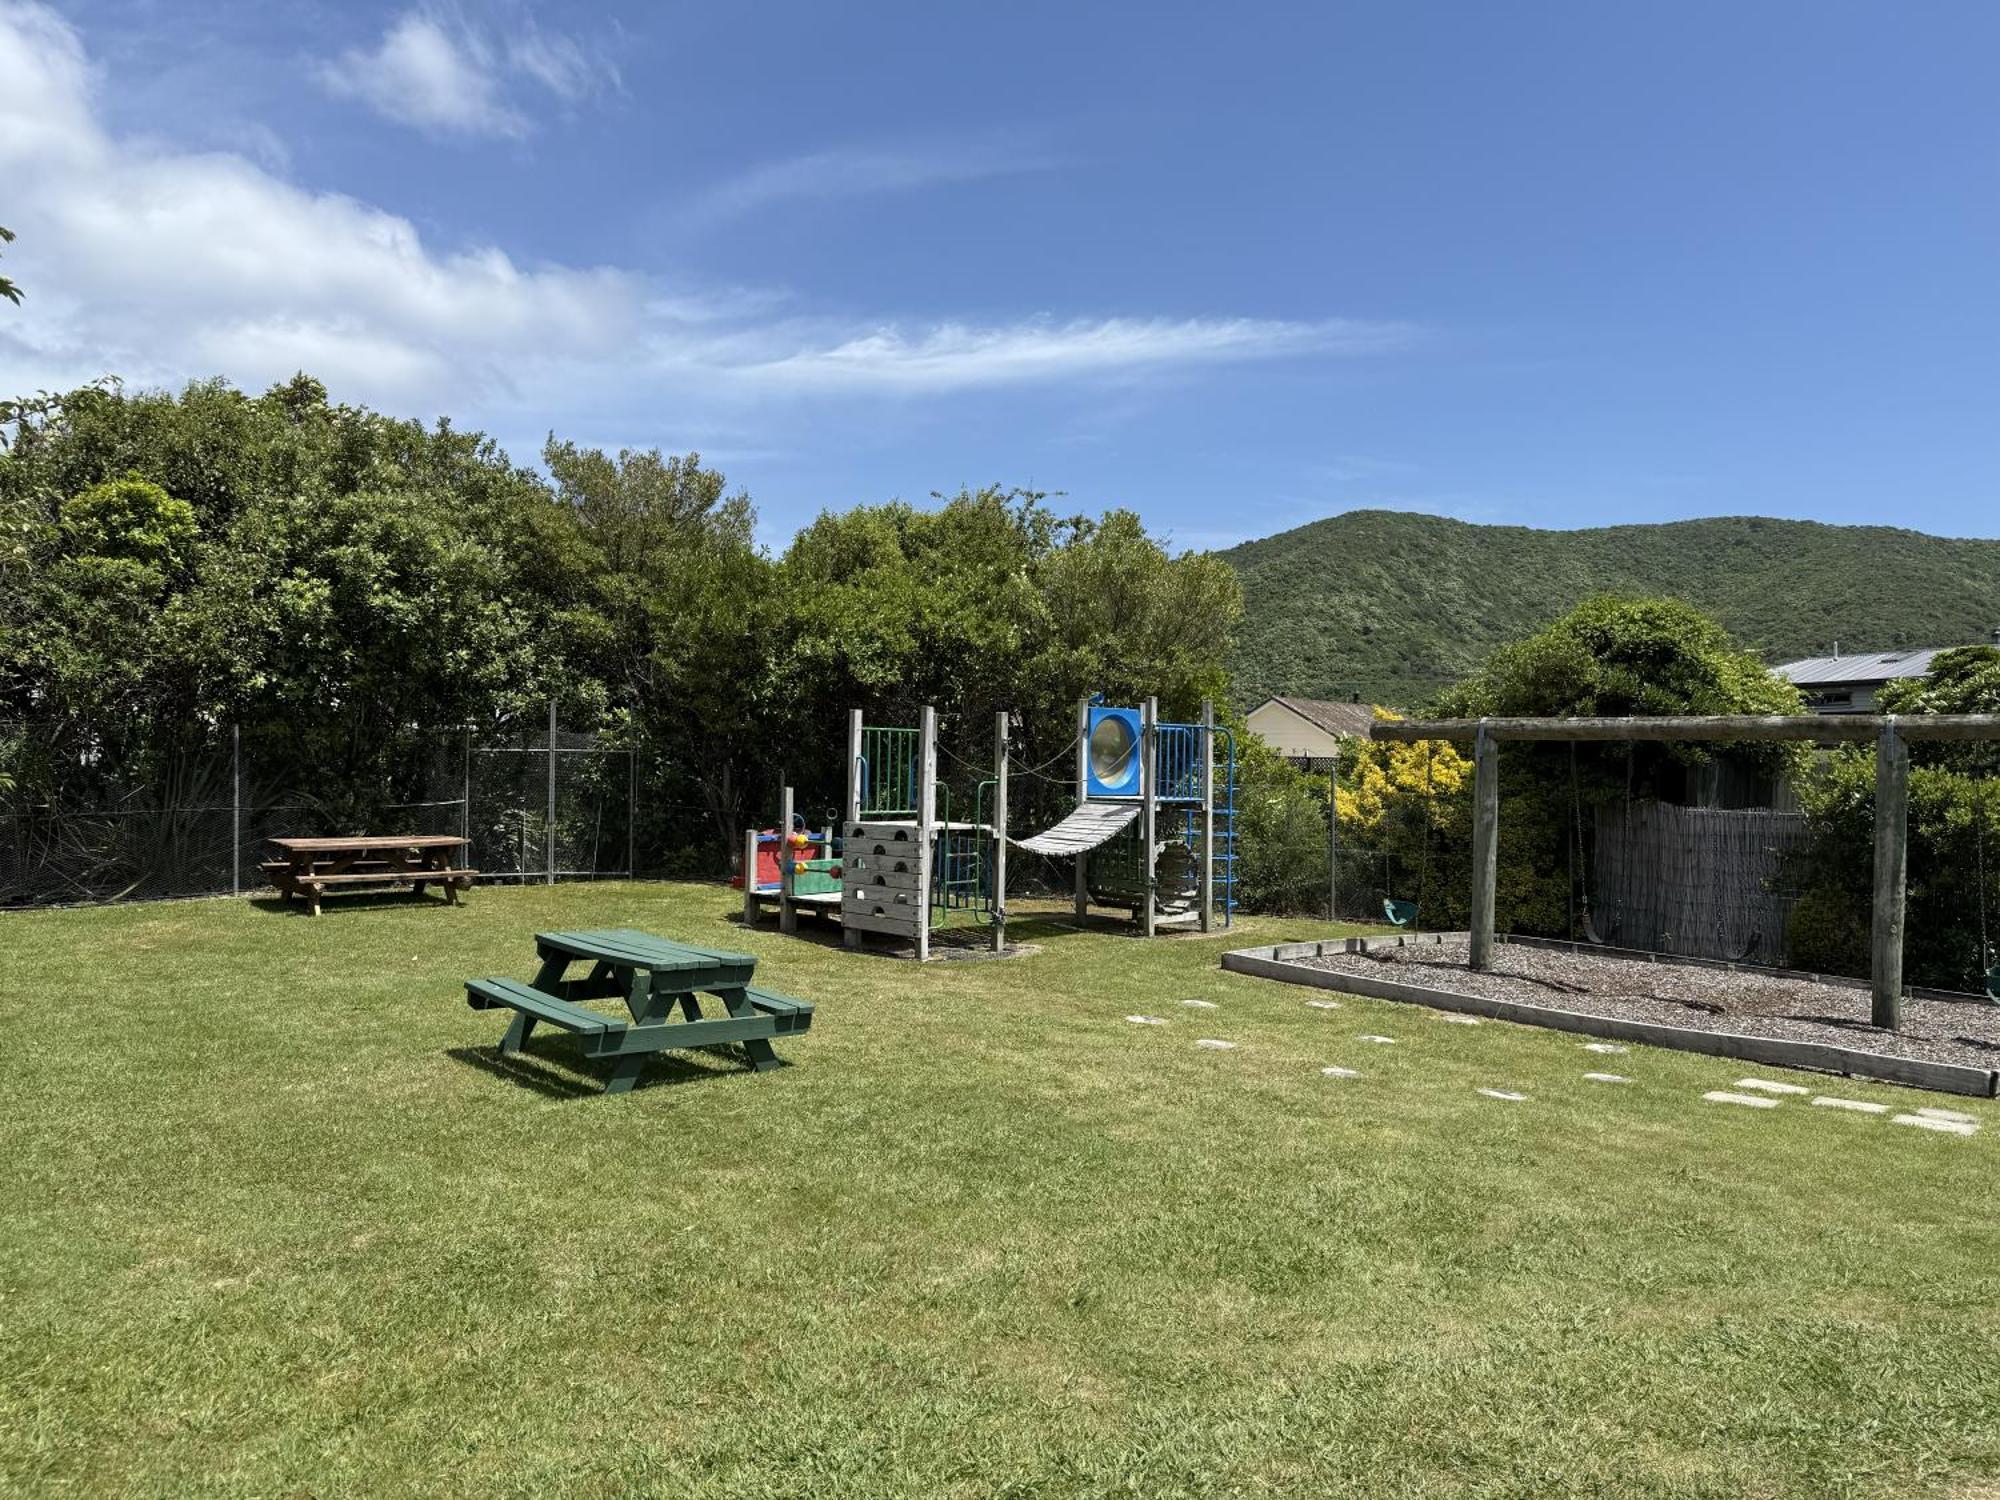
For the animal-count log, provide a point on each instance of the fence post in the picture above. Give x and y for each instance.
(631, 813)
(550, 831)
(235, 809)
(465, 803)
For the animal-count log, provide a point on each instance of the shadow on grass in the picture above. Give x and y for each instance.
(555, 1071)
(332, 905)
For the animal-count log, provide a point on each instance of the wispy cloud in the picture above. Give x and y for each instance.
(436, 71)
(955, 356)
(863, 171)
(163, 265)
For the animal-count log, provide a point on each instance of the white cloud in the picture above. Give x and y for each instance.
(954, 356)
(849, 172)
(164, 265)
(437, 72)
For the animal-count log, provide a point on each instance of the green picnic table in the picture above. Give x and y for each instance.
(654, 976)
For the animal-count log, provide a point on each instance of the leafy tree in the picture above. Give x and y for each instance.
(1954, 864)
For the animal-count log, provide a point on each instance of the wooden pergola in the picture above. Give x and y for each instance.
(1891, 733)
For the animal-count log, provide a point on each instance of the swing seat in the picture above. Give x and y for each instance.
(1993, 982)
(1399, 913)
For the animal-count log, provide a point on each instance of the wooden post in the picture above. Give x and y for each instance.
(1082, 796)
(1149, 790)
(788, 919)
(926, 826)
(1000, 831)
(631, 813)
(1207, 813)
(235, 809)
(749, 877)
(465, 805)
(550, 831)
(1485, 843)
(853, 765)
(1333, 836)
(851, 936)
(1892, 859)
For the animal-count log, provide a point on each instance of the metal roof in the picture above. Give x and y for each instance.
(1354, 719)
(1859, 668)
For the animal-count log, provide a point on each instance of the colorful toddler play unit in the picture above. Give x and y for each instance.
(1153, 832)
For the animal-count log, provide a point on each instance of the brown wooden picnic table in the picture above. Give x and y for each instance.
(309, 866)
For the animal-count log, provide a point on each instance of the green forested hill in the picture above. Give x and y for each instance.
(1391, 605)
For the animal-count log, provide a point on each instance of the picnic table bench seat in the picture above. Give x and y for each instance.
(391, 877)
(654, 977)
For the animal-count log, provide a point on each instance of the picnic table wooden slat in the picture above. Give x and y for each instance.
(361, 843)
(641, 950)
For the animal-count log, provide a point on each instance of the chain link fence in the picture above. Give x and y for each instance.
(540, 805)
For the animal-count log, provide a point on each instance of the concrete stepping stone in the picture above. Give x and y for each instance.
(1147, 1020)
(1602, 1047)
(1324, 1004)
(1929, 1122)
(1508, 1094)
(1859, 1106)
(1456, 1019)
(1932, 1112)
(1607, 1078)
(1201, 1004)
(1341, 1072)
(1386, 1041)
(1215, 1045)
(1771, 1086)
(1754, 1101)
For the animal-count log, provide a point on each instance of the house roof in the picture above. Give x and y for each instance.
(1863, 668)
(1353, 719)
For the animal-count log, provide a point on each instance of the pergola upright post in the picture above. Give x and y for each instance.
(1333, 836)
(1082, 796)
(788, 917)
(926, 826)
(1149, 813)
(1000, 831)
(1892, 863)
(1485, 842)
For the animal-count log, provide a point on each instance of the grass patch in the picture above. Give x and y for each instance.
(278, 1223)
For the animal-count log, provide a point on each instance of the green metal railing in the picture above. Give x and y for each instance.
(889, 772)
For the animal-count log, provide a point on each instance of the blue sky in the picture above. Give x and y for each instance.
(1237, 268)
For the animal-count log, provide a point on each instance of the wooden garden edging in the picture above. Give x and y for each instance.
(1276, 961)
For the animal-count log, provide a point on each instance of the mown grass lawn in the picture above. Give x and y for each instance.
(276, 1225)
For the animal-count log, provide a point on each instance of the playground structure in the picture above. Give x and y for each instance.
(1154, 805)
